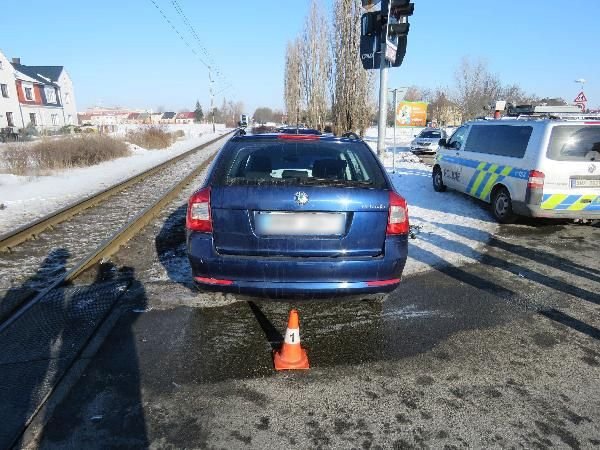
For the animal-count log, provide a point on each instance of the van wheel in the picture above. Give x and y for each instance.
(438, 182)
(502, 206)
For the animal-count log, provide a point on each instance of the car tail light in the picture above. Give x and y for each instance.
(536, 180)
(198, 212)
(299, 137)
(398, 215)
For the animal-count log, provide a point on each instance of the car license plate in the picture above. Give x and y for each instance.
(585, 182)
(276, 223)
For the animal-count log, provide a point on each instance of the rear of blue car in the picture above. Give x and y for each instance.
(297, 215)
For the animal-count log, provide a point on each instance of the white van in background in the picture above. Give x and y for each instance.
(532, 166)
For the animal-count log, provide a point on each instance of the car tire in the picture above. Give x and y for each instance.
(438, 181)
(501, 206)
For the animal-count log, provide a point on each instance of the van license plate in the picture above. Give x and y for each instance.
(276, 223)
(585, 182)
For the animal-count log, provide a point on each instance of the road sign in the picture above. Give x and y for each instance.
(390, 52)
(581, 98)
(370, 51)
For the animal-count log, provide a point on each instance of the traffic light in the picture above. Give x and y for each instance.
(377, 29)
(401, 8)
(398, 28)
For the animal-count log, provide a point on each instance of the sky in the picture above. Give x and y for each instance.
(124, 53)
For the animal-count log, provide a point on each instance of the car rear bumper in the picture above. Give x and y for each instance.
(426, 150)
(275, 276)
(297, 289)
(524, 209)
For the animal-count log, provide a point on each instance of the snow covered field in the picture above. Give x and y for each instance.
(450, 228)
(28, 198)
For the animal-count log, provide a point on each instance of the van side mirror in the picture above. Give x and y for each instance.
(442, 142)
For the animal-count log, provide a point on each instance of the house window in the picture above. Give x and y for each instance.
(1, 67)
(33, 119)
(54, 119)
(28, 94)
(67, 98)
(4, 89)
(10, 119)
(70, 118)
(50, 94)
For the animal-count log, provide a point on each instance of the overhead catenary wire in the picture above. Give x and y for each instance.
(202, 55)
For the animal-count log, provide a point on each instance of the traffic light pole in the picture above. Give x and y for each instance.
(383, 78)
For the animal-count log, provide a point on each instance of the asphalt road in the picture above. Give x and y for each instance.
(502, 353)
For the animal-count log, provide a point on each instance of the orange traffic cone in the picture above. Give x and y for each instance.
(291, 355)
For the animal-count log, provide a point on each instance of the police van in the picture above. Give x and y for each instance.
(539, 164)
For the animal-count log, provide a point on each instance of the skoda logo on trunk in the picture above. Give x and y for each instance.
(592, 168)
(301, 198)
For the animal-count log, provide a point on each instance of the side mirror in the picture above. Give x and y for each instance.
(415, 135)
(442, 142)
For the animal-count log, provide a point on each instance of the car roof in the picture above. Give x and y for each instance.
(293, 138)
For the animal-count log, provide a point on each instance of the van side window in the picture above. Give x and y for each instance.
(457, 139)
(501, 140)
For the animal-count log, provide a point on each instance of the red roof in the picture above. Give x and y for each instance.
(185, 115)
(133, 116)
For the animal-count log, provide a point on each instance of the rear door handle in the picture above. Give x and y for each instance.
(457, 154)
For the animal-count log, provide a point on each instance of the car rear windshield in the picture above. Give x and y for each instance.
(303, 163)
(575, 143)
(431, 135)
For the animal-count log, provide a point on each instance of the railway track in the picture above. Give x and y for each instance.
(45, 334)
(8, 241)
(70, 241)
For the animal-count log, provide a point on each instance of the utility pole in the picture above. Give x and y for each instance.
(383, 76)
(395, 102)
(212, 98)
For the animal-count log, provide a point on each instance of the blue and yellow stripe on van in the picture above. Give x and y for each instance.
(566, 202)
(486, 175)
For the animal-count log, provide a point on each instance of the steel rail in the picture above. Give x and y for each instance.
(112, 244)
(31, 230)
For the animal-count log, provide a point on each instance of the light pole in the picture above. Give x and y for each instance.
(212, 98)
(395, 100)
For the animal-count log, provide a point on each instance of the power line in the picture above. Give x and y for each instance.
(179, 9)
(207, 60)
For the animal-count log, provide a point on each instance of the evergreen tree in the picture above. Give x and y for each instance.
(199, 115)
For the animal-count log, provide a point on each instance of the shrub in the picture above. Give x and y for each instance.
(16, 159)
(151, 138)
(57, 154)
(179, 134)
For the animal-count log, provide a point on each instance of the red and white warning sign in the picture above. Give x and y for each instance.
(581, 98)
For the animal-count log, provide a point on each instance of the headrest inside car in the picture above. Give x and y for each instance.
(329, 168)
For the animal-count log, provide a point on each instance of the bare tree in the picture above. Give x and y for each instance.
(293, 82)
(315, 64)
(476, 87)
(352, 104)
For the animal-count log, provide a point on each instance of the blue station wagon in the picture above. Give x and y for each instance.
(297, 215)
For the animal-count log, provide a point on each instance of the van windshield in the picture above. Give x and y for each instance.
(575, 143)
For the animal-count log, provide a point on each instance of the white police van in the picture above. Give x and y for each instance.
(536, 165)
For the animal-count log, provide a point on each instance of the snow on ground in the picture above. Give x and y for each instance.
(28, 198)
(450, 228)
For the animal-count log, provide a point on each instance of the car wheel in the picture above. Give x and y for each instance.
(438, 182)
(502, 206)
